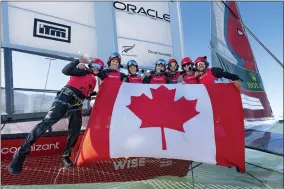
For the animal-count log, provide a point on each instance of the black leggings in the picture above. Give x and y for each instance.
(63, 103)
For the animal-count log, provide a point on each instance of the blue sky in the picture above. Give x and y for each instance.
(264, 19)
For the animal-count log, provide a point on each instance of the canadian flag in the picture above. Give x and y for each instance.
(202, 123)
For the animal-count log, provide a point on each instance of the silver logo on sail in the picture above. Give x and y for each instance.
(125, 49)
(53, 31)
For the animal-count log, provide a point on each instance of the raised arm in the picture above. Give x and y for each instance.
(219, 73)
(71, 69)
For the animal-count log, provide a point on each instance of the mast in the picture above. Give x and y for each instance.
(0, 60)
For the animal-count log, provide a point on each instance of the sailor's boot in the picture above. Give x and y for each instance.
(74, 127)
(17, 163)
(67, 162)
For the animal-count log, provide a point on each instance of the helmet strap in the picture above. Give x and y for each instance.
(203, 71)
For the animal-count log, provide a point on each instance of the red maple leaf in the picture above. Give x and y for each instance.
(162, 111)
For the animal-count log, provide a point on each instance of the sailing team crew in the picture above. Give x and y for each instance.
(189, 75)
(69, 100)
(82, 82)
(208, 75)
(132, 77)
(172, 68)
(158, 76)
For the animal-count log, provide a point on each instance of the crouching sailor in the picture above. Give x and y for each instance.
(68, 100)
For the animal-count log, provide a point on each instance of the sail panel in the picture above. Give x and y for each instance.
(232, 52)
(45, 28)
(139, 35)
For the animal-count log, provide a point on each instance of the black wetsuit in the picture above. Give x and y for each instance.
(68, 100)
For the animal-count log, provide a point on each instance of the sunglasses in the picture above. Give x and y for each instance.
(161, 62)
(115, 55)
(132, 63)
(95, 65)
(187, 64)
(200, 63)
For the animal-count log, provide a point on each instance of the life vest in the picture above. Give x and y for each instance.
(86, 84)
(134, 79)
(174, 76)
(190, 79)
(207, 77)
(158, 79)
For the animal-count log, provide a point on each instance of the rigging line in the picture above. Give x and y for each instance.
(264, 168)
(50, 59)
(256, 179)
(195, 166)
(192, 173)
(238, 169)
(269, 52)
(3, 126)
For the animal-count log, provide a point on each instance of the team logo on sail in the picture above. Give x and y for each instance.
(240, 32)
(133, 9)
(53, 31)
(126, 49)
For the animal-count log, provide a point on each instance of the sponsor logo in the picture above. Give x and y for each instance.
(254, 84)
(126, 49)
(159, 53)
(113, 76)
(158, 78)
(253, 76)
(129, 163)
(51, 30)
(165, 162)
(34, 147)
(133, 9)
